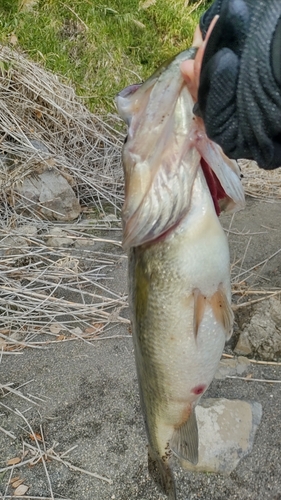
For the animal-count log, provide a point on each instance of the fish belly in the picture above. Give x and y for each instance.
(176, 361)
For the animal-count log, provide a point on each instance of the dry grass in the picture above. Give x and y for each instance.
(259, 183)
(58, 290)
(36, 106)
(62, 291)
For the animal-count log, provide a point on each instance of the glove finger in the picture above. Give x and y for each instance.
(275, 53)
(230, 30)
(209, 15)
(217, 107)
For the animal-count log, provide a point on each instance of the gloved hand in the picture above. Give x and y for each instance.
(239, 95)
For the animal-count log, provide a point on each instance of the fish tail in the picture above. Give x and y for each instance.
(161, 472)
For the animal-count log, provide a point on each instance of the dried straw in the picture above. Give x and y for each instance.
(36, 106)
(39, 284)
(259, 183)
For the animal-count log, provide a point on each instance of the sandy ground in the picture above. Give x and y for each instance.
(92, 400)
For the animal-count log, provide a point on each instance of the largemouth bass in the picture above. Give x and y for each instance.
(176, 182)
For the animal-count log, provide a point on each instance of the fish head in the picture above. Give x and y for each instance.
(159, 115)
(162, 153)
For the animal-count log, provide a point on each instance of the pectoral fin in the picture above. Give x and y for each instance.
(222, 311)
(226, 170)
(184, 442)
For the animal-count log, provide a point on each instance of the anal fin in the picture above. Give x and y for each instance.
(222, 311)
(184, 442)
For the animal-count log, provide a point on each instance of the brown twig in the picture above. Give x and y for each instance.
(249, 379)
(70, 466)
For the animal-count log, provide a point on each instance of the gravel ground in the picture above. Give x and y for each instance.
(91, 403)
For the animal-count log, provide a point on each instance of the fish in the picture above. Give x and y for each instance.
(176, 183)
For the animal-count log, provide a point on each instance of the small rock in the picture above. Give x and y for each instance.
(242, 365)
(241, 369)
(227, 430)
(229, 362)
(226, 367)
(58, 242)
(56, 231)
(58, 238)
(52, 193)
(39, 145)
(56, 328)
(2, 344)
(13, 245)
(275, 306)
(28, 230)
(110, 218)
(17, 336)
(243, 345)
(262, 334)
(243, 360)
(76, 331)
(83, 242)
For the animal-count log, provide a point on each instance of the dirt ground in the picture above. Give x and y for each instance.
(90, 399)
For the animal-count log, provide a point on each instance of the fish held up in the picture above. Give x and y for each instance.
(176, 183)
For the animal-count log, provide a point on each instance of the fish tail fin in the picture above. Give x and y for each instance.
(184, 442)
(161, 472)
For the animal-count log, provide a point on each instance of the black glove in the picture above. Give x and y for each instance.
(239, 96)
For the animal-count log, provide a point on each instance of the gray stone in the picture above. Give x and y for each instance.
(27, 230)
(17, 335)
(57, 242)
(275, 310)
(243, 360)
(227, 430)
(83, 242)
(56, 328)
(241, 368)
(262, 334)
(110, 218)
(13, 245)
(226, 367)
(39, 145)
(243, 345)
(232, 366)
(58, 238)
(52, 195)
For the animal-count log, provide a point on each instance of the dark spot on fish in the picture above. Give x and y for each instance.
(167, 455)
(199, 389)
(126, 138)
